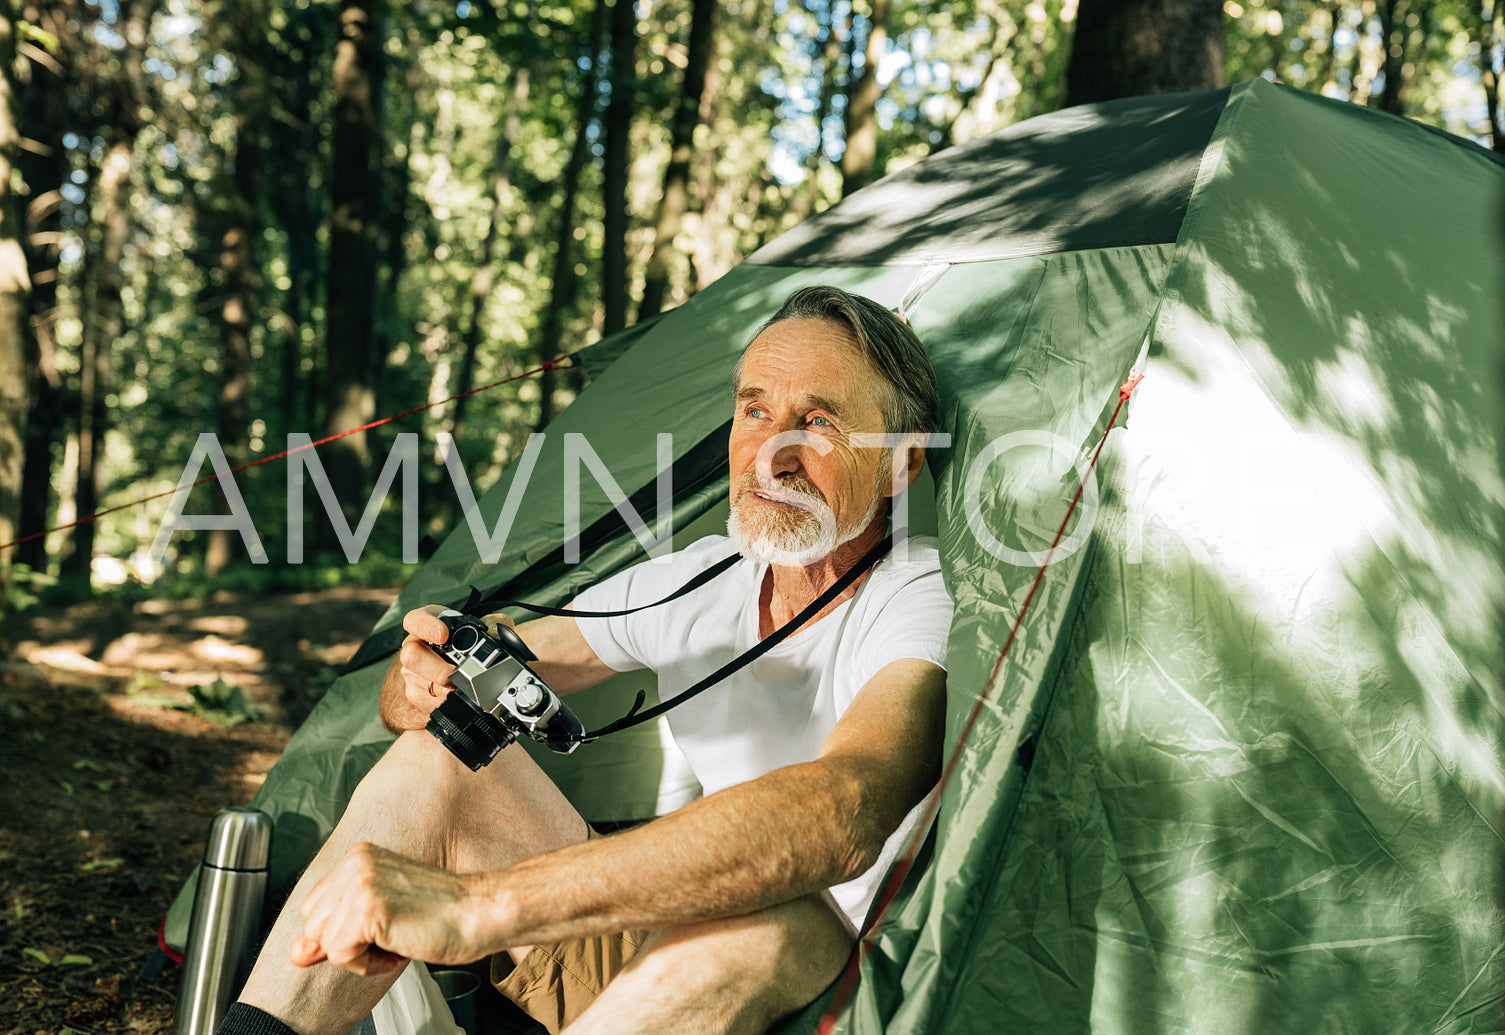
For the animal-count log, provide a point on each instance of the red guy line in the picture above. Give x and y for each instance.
(557, 363)
(850, 976)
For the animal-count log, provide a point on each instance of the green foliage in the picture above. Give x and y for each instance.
(1336, 49)
(71, 959)
(221, 703)
(23, 587)
(217, 702)
(30, 33)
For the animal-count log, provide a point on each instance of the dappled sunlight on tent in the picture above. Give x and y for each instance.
(1212, 462)
(1451, 697)
(1098, 176)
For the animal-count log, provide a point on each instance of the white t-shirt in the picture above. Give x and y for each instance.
(778, 710)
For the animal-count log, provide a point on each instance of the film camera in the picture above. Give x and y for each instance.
(498, 698)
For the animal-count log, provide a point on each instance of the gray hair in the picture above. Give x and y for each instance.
(888, 343)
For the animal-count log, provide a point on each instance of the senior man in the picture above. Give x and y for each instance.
(742, 906)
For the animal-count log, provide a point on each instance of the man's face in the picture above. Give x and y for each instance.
(804, 390)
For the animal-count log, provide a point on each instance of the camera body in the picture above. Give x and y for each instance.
(498, 698)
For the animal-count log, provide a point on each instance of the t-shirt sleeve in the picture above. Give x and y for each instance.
(914, 623)
(636, 641)
(609, 637)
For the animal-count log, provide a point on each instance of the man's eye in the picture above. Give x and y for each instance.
(820, 422)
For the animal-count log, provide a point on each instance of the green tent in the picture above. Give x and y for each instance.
(1241, 770)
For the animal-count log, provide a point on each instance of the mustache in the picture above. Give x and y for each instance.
(785, 487)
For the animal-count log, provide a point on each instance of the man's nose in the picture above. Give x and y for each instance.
(786, 460)
(785, 450)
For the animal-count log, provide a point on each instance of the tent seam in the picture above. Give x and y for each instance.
(1066, 639)
(1065, 643)
(1213, 162)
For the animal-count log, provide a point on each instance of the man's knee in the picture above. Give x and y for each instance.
(762, 965)
(414, 771)
(463, 819)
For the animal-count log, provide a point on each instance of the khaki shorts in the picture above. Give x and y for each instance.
(555, 983)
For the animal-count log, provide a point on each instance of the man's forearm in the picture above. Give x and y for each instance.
(795, 831)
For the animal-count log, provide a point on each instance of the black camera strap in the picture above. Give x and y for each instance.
(762, 647)
(478, 606)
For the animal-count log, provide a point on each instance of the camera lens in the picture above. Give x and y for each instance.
(471, 735)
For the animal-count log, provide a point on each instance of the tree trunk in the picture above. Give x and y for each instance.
(349, 399)
(1393, 39)
(562, 291)
(238, 263)
(104, 320)
(706, 265)
(394, 198)
(1327, 66)
(862, 107)
(15, 308)
(44, 169)
(617, 159)
(43, 424)
(676, 197)
(1488, 25)
(103, 324)
(293, 139)
(1126, 48)
(807, 201)
(485, 277)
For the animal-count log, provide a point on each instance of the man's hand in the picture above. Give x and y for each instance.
(377, 909)
(424, 675)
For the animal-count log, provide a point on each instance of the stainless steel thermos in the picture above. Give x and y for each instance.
(226, 923)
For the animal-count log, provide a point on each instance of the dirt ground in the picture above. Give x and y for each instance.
(109, 777)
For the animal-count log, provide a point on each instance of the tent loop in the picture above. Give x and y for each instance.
(919, 287)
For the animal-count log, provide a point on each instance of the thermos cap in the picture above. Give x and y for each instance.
(239, 839)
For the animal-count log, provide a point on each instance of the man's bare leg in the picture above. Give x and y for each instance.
(734, 976)
(421, 802)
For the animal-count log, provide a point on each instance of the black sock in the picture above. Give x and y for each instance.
(248, 1020)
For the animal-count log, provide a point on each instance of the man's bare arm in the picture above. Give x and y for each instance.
(787, 834)
(417, 680)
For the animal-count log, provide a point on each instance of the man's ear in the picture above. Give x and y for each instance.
(913, 458)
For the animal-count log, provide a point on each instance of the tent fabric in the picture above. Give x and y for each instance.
(1266, 787)
(1242, 768)
(1097, 176)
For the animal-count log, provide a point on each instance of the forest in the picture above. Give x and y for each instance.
(264, 218)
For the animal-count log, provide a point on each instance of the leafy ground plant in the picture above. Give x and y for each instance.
(223, 703)
(219, 702)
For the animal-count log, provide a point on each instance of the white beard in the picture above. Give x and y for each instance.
(796, 537)
(795, 546)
